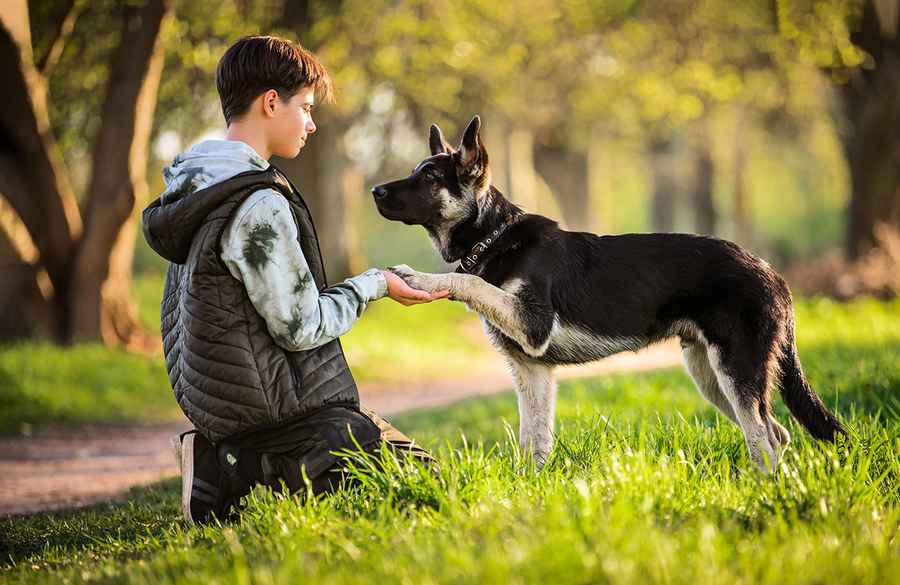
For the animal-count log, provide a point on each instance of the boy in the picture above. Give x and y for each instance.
(250, 329)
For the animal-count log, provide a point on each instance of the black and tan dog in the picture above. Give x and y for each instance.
(549, 297)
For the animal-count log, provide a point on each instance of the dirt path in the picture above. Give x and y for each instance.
(59, 468)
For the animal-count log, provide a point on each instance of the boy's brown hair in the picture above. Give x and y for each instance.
(254, 65)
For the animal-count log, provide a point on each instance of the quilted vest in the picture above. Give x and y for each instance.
(228, 374)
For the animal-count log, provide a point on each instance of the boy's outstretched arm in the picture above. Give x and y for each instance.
(260, 249)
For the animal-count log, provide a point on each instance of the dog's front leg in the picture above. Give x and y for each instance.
(501, 308)
(536, 392)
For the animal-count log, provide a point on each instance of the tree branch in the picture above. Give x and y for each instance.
(61, 33)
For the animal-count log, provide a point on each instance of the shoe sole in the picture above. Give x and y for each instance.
(187, 475)
(175, 442)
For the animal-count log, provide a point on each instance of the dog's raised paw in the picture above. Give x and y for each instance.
(401, 270)
(409, 276)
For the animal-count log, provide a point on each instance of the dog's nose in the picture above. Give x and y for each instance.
(379, 192)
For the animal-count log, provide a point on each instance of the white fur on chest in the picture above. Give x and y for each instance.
(581, 345)
(567, 343)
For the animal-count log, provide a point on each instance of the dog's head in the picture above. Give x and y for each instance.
(444, 189)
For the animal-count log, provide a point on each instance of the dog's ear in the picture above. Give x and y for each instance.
(471, 150)
(437, 143)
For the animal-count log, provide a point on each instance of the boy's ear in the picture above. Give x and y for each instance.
(269, 99)
(471, 149)
(436, 141)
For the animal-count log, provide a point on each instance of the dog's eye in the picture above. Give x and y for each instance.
(432, 174)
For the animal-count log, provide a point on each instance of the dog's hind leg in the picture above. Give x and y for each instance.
(779, 433)
(536, 391)
(696, 362)
(745, 383)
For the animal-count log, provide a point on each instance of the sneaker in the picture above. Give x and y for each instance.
(200, 485)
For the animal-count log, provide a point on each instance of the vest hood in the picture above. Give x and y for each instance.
(171, 221)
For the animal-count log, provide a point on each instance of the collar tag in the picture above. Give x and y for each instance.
(468, 262)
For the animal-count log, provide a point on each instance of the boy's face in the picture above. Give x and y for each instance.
(292, 123)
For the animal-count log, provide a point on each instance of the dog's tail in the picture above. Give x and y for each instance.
(801, 399)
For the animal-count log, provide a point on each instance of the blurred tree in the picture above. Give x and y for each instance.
(703, 203)
(324, 173)
(85, 79)
(86, 253)
(866, 63)
(872, 139)
(565, 170)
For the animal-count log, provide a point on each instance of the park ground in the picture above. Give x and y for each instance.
(647, 483)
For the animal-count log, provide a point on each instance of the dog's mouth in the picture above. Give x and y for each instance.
(390, 207)
(386, 207)
(390, 213)
(397, 202)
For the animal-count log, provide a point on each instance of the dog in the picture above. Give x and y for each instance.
(548, 297)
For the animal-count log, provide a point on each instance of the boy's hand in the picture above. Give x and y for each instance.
(406, 295)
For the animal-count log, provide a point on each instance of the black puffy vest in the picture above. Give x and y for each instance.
(228, 374)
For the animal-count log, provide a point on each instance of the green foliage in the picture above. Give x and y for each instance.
(628, 66)
(198, 36)
(194, 39)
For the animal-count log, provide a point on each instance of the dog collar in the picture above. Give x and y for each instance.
(470, 260)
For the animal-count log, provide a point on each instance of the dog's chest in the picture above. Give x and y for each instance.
(574, 345)
(568, 344)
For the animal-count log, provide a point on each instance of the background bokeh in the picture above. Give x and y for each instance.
(771, 123)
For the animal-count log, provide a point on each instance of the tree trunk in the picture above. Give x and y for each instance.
(25, 285)
(662, 163)
(872, 142)
(565, 171)
(32, 176)
(19, 287)
(323, 173)
(83, 276)
(704, 206)
(101, 293)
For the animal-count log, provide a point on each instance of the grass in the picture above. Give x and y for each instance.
(646, 485)
(43, 383)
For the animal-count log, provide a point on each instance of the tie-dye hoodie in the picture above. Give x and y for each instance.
(259, 247)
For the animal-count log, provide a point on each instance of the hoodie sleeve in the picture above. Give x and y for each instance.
(260, 249)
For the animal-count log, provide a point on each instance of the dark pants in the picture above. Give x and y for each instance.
(389, 436)
(304, 450)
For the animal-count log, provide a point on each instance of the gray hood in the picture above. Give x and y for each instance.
(207, 163)
(170, 222)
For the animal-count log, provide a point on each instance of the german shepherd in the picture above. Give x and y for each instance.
(549, 297)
